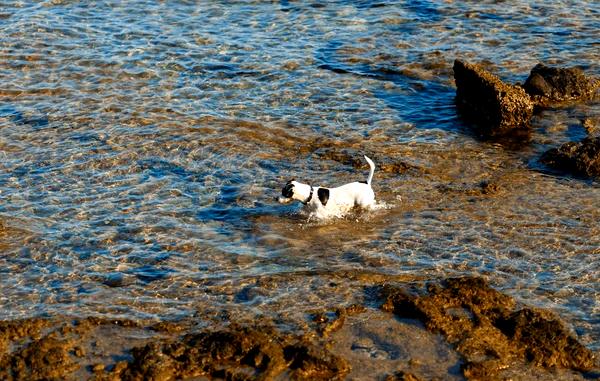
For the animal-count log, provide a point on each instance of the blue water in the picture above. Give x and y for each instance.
(143, 144)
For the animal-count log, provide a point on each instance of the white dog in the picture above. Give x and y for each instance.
(331, 202)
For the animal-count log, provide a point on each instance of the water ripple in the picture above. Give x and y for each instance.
(143, 144)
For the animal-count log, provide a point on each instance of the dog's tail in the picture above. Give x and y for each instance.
(372, 165)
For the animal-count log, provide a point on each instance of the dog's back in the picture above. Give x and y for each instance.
(353, 194)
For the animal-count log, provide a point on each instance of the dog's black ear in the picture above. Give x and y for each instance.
(323, 194)
(288, 189)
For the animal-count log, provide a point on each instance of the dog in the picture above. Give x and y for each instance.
(324, 202)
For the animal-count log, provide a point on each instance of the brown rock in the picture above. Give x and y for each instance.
(237, 353)
(546, 341)
(44, 359)
(591, 126)
(548, 85)
(309, 362)
(486, 329)
(79, 351)
(12, 330)
(328, 325)
(580, 158)
(495, 107)
(97, 368)
(402, 376)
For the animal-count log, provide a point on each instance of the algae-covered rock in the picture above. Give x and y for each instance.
(487, 329)
(233, 353)
(43, 357)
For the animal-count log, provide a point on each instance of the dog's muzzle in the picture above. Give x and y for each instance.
(284, 200)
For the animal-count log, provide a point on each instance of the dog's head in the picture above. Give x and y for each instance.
(287, 193)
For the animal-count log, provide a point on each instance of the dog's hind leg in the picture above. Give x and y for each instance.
(366, 201)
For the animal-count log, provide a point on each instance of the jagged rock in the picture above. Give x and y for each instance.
(487, 329)
(580, 158)
(549, 85)
(45, 358)
(234, 353)
(495, 107)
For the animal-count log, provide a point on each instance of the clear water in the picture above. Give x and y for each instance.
(143, 144)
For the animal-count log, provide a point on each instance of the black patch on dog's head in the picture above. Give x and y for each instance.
(323, 194)
(288, 189)
(363, 182)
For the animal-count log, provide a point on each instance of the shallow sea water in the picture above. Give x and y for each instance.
(143, 144)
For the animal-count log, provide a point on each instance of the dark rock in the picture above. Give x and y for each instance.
(114, 279)
(402, 376)
(234, 353)
(537, 85)
(580, 158)
(495, 107)
(548, 85)
(487, 330)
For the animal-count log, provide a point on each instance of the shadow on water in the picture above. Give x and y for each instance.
(361, 4)
(230, 206)
(227, 209)
(158, 168)
(17, 117)
(427, 11)
(426, 104)
(150, 273)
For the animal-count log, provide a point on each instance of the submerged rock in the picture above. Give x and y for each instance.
(353, 158)
(402, 376)
(495, 107)
(483, 188)
(549, 85)
(580, 158)
(487, 330)
(591, 126)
